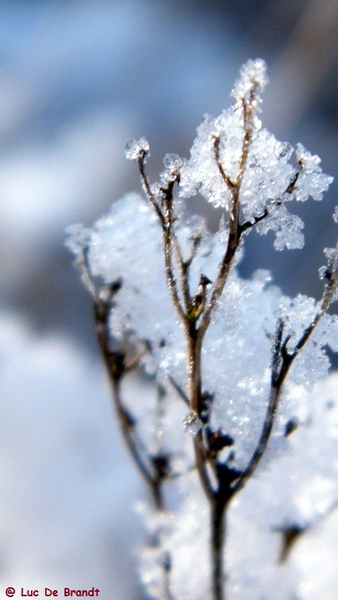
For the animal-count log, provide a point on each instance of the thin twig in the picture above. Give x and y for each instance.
(282, 360)
(278, 373)
(170, 243)
(227, 180)
(179, 390)
(169, 238)
(219, 481)
(235, 230)
(117, 367)
(152, 468)
(217, 548)
(147, 190)
(292, 533)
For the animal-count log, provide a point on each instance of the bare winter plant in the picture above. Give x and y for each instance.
(222, 354)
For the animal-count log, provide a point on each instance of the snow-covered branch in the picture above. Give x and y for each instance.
(170, 304)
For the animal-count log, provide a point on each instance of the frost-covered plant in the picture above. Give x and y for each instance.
(223, 354)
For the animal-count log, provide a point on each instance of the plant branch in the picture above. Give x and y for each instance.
(217, 550)
(169, 239)
(153, 468)
(147, 190)
(171, 246)
(235, 230)
(282, 359)
(117, 367)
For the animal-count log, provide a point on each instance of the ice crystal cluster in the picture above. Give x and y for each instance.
(240, 167)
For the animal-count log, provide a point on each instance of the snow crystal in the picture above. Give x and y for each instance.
(192, 424)
(286, 226)
(267, 173)
(200, 173)
(335, 214)
(299, 491)
(137, 149)
(238, 376)
(172, 161)
(329, 272)
(78, 238)
(252, 79)
(267, 178)
(181, 540)
(311, 181)
(312, 362)
(173, 164)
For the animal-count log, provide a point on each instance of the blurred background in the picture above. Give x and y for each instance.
(78, 79)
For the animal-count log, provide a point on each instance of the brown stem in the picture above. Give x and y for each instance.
(201, 466)
(224, 270)
(273, 406)
(235, 230)
(168, 244)
(282, 360)
(217, 550)
(194, 366)
(195, 401)
(148, 192)
(117, 367)
(134, 445)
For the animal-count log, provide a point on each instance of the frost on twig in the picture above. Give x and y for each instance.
(223, 352)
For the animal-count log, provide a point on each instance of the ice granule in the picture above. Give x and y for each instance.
(137, 149)
(286, 226)
(78, 238)
(192, 424)
(173, 164)
(335, 214)
(311, 181)
(252, 78)
(172, 161)
(200, 173)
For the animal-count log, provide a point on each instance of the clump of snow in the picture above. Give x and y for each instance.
(136, 149)
(269, 179)
(251, 81)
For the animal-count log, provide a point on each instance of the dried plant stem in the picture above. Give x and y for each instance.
(195, 333)
(133, 444)
(282, 361)
(117, 366)
(220, 482)
(169, 238)
(217, 548)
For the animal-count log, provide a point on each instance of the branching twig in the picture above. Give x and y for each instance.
(220, 481)
(282, 360)
(219, 477)
(235, 230)
(117, 367)
(279, 367)
(153, 468)
(166, 220)
(292, 533)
